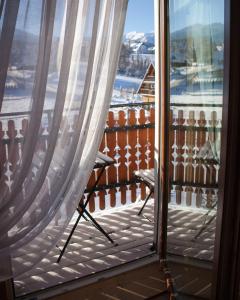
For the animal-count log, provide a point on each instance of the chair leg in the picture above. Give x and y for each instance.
(69, 238)
(83, 209)
(97, 225)
(205, 222)
(145, 202)
(204, 227)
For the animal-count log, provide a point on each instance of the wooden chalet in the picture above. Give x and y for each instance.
(147, 86)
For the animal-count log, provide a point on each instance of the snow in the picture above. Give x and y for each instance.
(125, 87)
(140, 42)
(135, 36)
(129, 79)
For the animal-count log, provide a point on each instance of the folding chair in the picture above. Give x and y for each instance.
(208, 154)
(147, 177)
(102, 161)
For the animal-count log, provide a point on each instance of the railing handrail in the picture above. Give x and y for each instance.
(133, 104)
(136, 104)
(195, 105)
(26, 113)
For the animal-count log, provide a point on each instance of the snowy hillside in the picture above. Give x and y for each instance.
(140, 42)
(143, 43)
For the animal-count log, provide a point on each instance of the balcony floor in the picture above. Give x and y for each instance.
(89, 251)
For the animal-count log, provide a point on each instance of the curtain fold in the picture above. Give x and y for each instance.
(66, 86)
(7, 32)
(38, 97)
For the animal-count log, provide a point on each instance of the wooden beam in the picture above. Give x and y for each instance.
(162, 121)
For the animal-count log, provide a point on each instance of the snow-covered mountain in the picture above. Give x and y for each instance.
(143, 43)
(140, 42)
(140, 37)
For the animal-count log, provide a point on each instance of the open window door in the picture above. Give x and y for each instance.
(197, 117)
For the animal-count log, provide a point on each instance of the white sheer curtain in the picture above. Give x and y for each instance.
(61, 57)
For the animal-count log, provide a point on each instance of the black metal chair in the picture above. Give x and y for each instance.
(102, 161)
(208, 155)
(147, 177)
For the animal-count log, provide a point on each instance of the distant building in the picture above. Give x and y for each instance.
(147, 86)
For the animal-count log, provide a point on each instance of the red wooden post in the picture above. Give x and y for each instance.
(111, 144)
(2, 151)
(201, 140)
(132, 139)
(170, 150)
(151, 137)
(180, 137)
(190, 142)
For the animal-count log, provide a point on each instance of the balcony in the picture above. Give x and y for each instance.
(129, 140)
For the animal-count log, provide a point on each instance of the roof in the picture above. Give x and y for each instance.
(152, 64)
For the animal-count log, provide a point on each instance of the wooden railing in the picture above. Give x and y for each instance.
(129, 139)
(194, 179)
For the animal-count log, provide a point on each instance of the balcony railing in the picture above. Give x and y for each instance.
(129, 139)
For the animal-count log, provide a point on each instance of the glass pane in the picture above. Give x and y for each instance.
(196, 89)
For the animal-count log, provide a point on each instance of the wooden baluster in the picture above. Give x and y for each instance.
(23, 132)
(171, 151)
(104, 177)
(24, 128)
(214, 138)
(122, 143)
(148, 144)
(180, 137)
(138, 155)
(112, 193)
(123, 190)
(107, 199)
(96, 200)
(2, 151)
(91, 180)
(190, 135)
(133, 150)
(123, 150)
(142, 138)
(201, 140)
(90, 184)
(111, 144)
(126, 195)
(218, 139)
(19, 139)
(12, 148)
(213, 124)
(151, 132)
(91, 204)
(11, 152)
(211, 169)
(173, 157)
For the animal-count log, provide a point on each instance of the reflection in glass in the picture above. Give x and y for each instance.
(196, 89)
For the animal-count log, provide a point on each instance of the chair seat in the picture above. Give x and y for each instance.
(146, 176)
(102, 160)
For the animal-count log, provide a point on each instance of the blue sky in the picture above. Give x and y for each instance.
(140, 14)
